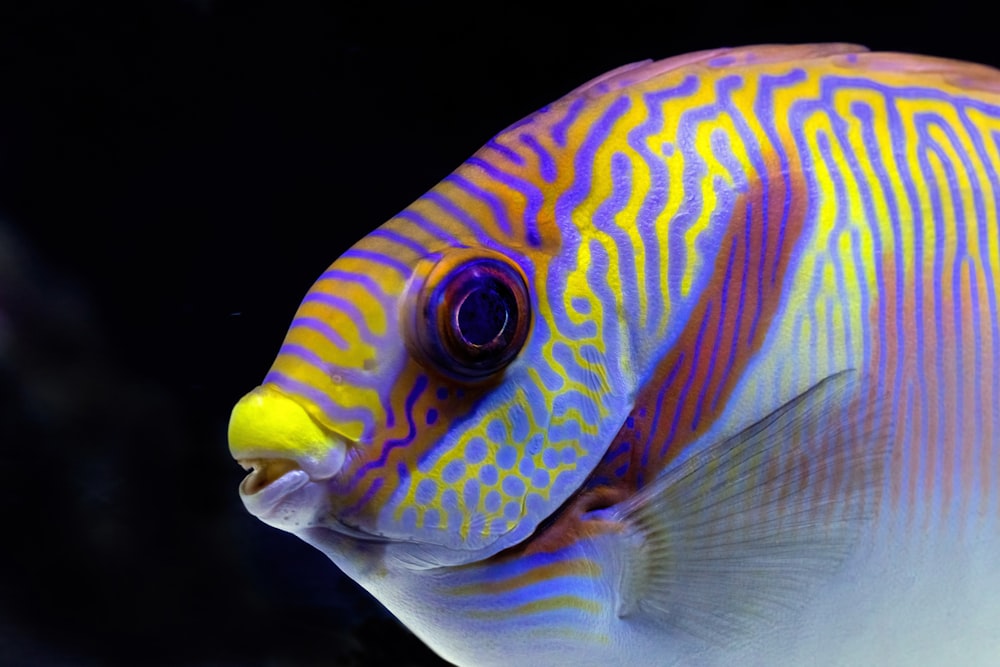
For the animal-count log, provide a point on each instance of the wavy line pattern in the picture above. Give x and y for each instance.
(701, 243)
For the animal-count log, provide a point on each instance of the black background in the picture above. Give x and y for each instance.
(173, 176)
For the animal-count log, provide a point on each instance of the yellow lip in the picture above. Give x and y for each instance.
(271, 434)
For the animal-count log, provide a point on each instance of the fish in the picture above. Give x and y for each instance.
(697, 365)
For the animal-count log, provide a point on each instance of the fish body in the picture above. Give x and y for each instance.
(697, 365)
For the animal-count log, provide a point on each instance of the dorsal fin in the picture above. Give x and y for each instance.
(850, 56)
(633, 73)
(954, 72)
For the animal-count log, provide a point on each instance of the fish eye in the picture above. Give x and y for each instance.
(475, 318)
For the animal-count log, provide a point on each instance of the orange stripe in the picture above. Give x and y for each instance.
(538, 606)
(567, 568)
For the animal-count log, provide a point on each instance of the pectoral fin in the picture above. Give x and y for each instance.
(739, 532)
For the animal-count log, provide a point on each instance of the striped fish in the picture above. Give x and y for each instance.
(697, 365)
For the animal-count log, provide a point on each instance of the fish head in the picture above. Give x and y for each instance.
(423, 399)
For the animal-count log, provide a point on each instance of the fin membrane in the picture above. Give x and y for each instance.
(737, 533)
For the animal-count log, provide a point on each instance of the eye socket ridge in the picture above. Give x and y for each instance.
(475, 319)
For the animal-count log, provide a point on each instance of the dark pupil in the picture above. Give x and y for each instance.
(482, 316)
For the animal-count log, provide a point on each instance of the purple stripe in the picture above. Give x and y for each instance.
(597, 280)
(764, 112)
(498, 208)
(375, 290)
(800, 314)
(348, 308)
(908, 92)
(305, 355)
(654, 427)
(399, 239)
(699, 342)
(722, 152)
(535, 197)
(959, 452)
(760, 170)
(654, 422)
(841, 227)
(522, 597)
(322, 328)
(977, 411)
(898, 137)
(507, 570)
(571, 198)
(461, 215)
(866, 297)
(722, 61)
(604, 219)
(735, 343)
(353, 377)
(379, 258)
(715, 343)
(422, 223)
(798, 114)
(925, 145)
(724, 155)
(418, 388)
(546, 165)
(958, 228)
(565, 358)
(600, 130)
(693, 175)
(333, 412)
(840, 132)
(559, 129)
(906, 499)
(695, 169)
(993, 316)
(899, 340)
(994, 464)
(656, 197)
(622, 448)
(527, 120)
(505, 151)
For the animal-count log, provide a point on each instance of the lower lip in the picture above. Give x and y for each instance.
(267, 499)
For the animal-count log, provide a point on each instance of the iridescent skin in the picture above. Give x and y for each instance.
(702, 239)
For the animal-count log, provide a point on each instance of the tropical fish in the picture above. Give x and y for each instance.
(698, 365)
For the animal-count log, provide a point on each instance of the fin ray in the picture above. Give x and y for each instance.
(735, 533)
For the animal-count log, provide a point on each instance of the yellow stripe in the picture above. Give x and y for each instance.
(554, 603)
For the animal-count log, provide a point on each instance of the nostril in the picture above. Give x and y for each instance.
(263, 472)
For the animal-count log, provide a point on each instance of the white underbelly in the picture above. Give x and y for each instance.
(914, 599)
(932, 598)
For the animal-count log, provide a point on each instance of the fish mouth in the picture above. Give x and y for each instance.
(266, 468)
(287, 493)
(264, 472)
(288, 453)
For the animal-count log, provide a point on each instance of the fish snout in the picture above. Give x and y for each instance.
(274, 438)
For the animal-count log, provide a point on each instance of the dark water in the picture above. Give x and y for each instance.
(173, 176)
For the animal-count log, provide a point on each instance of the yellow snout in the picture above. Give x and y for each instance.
(271, 433)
